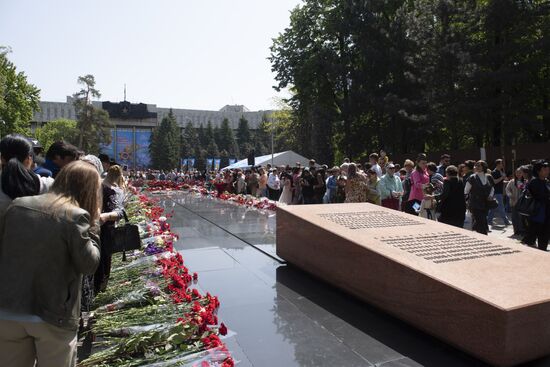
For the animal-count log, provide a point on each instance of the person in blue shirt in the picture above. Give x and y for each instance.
(59, 155)
(39, 169)
(332, 186)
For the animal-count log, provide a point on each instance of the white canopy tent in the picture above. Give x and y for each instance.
(279, 159)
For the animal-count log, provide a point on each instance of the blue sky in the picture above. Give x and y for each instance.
(181, 54)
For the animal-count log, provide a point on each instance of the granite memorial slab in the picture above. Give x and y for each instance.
(489, 298)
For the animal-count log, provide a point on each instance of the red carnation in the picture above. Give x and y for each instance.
(223, 329)
(228, 362)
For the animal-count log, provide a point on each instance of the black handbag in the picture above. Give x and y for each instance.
(492, 203)
(126, 237)
(526, 205)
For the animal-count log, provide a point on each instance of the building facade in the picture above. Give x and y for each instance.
(133, 124)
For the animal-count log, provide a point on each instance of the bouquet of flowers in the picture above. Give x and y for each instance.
(150, 314)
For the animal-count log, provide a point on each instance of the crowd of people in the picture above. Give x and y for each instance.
(442, 192)
(56, 210)
(53, 217)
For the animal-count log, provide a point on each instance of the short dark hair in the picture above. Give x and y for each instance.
(373, 156)
(538, 165)
(62, 149)
(104, 158)
(470, 164)
(451, 171)
(432, 167)
(421, 157)
(483, 165)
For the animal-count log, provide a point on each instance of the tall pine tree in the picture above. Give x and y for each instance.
(210, 145)
(189, 141)
(244, 137)
(165, 144)
(93, 123)
(227, 140)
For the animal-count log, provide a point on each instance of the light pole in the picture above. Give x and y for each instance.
(272, 128)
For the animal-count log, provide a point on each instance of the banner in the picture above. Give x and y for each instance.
(232, 161)
(109, 149)
(125, 147)
(184, 163)
(143, 140)
(209, 162)
(191, 162)
(217, 162)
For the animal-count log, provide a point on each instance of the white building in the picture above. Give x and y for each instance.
(149, 115)
(133, 123)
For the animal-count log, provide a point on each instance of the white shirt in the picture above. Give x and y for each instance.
(483, 178)
(377, 169)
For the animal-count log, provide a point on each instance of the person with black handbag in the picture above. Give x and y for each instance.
(538, 229)
(479, 189)
(112, 211)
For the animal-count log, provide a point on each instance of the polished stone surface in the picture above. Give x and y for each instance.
(485, 296)
(281, 316)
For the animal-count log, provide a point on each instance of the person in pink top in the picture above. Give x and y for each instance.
(419, 178)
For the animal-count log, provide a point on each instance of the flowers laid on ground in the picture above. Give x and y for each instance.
(155, 186)
(150, 313)
(249, 201)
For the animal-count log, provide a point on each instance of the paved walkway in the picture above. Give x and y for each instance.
(281, 316)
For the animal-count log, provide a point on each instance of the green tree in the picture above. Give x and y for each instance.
(217, 135)
(244, 137)
(209, 133)
(19, 99)
(413, 75)
(210, 146)
(201, 135)
(200, 156)
(165, 146)
(56, 130)
(189, 141)
(212, 150)
(94, 128)
(262, 137)
(226, 140)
